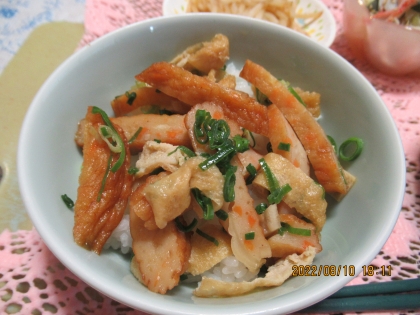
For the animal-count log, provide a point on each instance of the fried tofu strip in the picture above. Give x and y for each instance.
(288, 244)
(320, 152)
(97, 214)
(205, 56)
(170, 196)
(205, 254)
(146, 100)
(306, 196)
(276, 275)
(160, 256)
(193, 89)
(169, 129)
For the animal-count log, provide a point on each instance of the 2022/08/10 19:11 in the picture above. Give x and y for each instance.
(333, 270)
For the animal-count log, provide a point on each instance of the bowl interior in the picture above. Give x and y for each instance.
(357, 227)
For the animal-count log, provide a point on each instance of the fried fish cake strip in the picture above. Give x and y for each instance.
(193, 89)
(320, 152)
(96, 213)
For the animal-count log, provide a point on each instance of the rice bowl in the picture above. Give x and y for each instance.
(94, 75)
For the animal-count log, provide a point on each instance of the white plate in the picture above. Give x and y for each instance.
(323, 30)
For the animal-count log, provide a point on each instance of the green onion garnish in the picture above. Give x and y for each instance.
(294, 93)
(276, 192)
(262, 98)
(131, 97)
(157, 140)
(229, 184)
(252, 173)
(224, 151)
(200, 134)
(277, 195)
(107, 134)
(207, 237)
(285, 227)
(250, 136)
(204, 202)
(250, 236)
(261, 208)
(108, 168)
(355, 145)
(185, 228)
(241, 144)
(222, 215)
(133, 170)
(284, 146)
(68, 202)
(120, 161)
(218, 133)
(134, 137)
(183, 149)
(333, 143)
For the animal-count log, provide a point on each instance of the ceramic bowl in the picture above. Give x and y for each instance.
(356, 228)
(391, 48)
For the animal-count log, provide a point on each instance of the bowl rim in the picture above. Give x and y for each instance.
(59, 252)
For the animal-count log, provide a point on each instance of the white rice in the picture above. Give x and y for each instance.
(121, 237)
(230, 270)
(241, 84)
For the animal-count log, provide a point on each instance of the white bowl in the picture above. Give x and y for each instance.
(322, 31)
(357, 227)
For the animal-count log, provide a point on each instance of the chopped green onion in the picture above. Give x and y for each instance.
(200, 134)
(249, 236)
(131, 97)
(250, 136)
(207, 237)
(218, 134)
(106, 133)
(229, 184)
(333, 143)
(108, 168)
(296, 95)
(133, 170)
(222, 215)
(185, 228)
(276, 192)
(68, 202)
(120, 161)
(261, 97)
(285, 227)
(134, 137)
(204, 202)
(157, 140)
(224, 151)
(183, 149)
(277, 195)
(252, 173)
(261, 208)
(353, 144)
(284, 146)
(271, 179)
(241, 144)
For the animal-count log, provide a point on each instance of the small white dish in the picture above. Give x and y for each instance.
(323, 30)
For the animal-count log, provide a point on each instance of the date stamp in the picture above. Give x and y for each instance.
(337, 270)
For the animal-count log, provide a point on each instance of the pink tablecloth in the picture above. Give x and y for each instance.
(33, 279)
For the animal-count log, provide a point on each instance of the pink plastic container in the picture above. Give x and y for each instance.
(389, 47)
